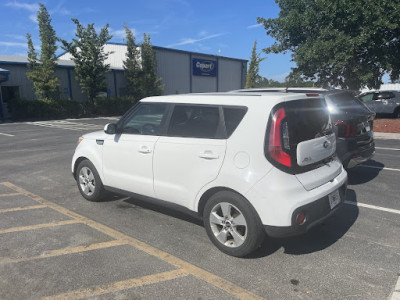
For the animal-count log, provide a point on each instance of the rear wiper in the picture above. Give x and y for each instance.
(324, 133)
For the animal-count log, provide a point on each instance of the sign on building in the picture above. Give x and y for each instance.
(205, 67)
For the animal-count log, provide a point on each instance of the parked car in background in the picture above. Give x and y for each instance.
(247, 164)
(382, 102)
(353, 122)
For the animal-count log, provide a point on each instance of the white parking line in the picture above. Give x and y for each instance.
(6, 134)
(380, 168)
(383, 148)
(396, 292)
(391, 210)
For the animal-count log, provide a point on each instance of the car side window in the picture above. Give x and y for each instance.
(145, 120)
(367, 98)
(386, 95)
(233, 116)
(194, 121)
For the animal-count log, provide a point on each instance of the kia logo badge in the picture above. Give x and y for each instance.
(326, 144)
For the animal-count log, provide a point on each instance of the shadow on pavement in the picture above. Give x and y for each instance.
(166, 208)
(360, 174)
(316, 239)
(319, 237)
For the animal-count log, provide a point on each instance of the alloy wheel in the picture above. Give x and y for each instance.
(228, 224)
(87, 181)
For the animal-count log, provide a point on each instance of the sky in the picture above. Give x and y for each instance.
(226, 28)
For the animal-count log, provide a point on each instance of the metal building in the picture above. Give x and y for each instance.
(181, 72)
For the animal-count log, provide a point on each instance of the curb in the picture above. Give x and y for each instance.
(387, 136)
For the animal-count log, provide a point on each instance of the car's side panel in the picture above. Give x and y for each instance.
(92, 151)
(245, 162)
(128, 162)
(182, 166)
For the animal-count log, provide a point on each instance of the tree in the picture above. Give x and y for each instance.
(340, 43)
(295, 79)
(151, 84)
(292, 80)
(41, 69)
(87, 51)
(132, 66)
(253, 70)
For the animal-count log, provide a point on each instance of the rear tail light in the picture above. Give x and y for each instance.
(346, 129)
(301, 218)
(279, 139)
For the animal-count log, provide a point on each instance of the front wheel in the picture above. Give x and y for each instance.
(232, 224)
(89, 182)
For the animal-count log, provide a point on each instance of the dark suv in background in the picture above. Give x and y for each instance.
(352, 120)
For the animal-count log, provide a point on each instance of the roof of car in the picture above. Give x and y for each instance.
(281, 90)
(382, 91)
(227, 98)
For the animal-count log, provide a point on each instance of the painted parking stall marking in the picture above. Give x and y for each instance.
(10, 195)
(379, 168)
(21, 208)
(396, 292)
(385, 148)
(60, 252)
(391, 210)
(6, 134)
(39, 226)
(121, 285)
(182, 268)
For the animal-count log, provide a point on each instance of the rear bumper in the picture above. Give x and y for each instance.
(352, 154)
(356, 160)
(315, 212)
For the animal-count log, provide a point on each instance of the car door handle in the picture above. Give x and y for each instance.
(144, 149)
(208, 155)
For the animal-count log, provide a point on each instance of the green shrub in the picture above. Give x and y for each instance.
(52, 109)
(112, 106)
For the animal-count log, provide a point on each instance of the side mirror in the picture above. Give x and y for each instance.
(110, 128)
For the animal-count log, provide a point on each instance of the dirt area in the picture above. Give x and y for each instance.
(387, 125)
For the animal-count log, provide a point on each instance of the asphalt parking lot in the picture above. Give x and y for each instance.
(56, 245)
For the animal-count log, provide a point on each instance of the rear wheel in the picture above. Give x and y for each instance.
(89, 182)
(232, 224)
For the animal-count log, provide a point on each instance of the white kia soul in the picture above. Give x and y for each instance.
(248, 164)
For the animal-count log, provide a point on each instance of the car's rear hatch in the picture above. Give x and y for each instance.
(300, 141)
(351, 118)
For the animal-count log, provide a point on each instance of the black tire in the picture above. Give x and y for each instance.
(250, 235)
(87, 176)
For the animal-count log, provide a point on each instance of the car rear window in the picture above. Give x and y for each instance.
(386, 95)
(308, 119)
(233, 116)
(194, 121)
(345, 101)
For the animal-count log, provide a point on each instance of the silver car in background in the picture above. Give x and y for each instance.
(382, 102)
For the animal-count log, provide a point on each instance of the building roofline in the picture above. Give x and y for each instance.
(4, 62)
(175, 50)
(14, 63)
(64, 52)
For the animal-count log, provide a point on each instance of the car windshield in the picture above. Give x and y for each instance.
(308, 119)
(345, 101)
